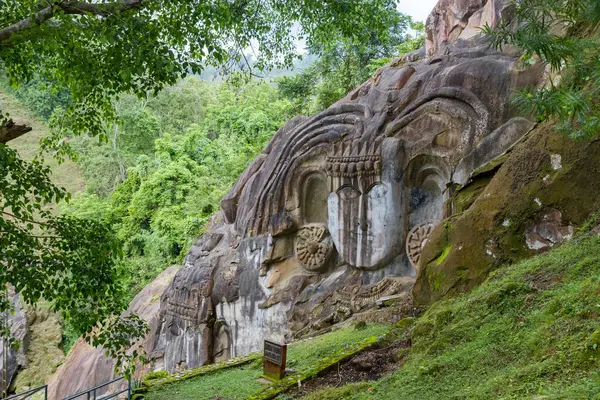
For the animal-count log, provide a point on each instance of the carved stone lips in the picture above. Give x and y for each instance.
(360, 235)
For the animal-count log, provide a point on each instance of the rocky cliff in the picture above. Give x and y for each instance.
(15, 357)
(352, 205)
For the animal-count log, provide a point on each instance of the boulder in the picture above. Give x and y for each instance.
(530, 205)
(17, 323)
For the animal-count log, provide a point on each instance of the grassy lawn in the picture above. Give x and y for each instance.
(233, 383)
(531, 331)
(239, 383)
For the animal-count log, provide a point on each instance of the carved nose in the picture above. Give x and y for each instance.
(364, 225)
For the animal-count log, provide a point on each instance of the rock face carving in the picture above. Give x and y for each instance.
(315, 229)
(415, 241)
(365, 205)
(313, 247)
(334, 212)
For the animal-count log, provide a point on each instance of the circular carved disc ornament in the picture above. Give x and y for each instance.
(313, 247)
(415, 241)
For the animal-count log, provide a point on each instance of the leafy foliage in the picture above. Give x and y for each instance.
(410, 44)
(169, 194)
(38, 96)
(413, 42)
(560, 34)
(347, 63)
(63, 259)
(100, 50)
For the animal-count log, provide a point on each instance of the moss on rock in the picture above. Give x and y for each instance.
(490, 230)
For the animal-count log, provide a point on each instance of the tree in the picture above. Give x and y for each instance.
(101, 49)
(67, 261)
(95, 51)
(563, 34)
(167, 200)
(346, 63)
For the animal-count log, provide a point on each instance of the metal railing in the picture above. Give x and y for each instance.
(29, 393)
(92, 395)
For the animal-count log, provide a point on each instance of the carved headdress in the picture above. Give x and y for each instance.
(355, 160)
(352, 158)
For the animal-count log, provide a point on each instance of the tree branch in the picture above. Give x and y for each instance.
(12, 131)
(71, 8)
(24, 219)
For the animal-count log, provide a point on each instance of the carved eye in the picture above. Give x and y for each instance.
(377, 191)
(348, 193)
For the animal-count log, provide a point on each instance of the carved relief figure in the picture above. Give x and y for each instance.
(415, 241)
(365, 211)
(313, 247)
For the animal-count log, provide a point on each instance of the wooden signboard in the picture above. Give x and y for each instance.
(274, 360)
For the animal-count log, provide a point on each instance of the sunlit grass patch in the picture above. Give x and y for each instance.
(241, 382)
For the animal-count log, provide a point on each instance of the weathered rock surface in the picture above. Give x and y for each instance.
(453, 21)
(529, 206)
(17, 322)
(44, 347)
(340, 209)
(87, 367)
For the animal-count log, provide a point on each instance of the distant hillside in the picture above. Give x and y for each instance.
(67, 174)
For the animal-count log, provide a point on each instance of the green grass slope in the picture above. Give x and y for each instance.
(531, 331)
(66, 175)
(239, 383)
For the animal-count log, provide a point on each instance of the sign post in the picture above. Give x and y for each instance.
(274, 360)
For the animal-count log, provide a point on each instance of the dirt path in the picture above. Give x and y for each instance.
(368, 365)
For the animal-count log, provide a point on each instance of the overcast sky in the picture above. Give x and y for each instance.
(418, 9)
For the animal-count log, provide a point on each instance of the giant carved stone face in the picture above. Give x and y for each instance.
(365, 205)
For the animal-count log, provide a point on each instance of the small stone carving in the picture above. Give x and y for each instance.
(340, 314)
(222, 341)
(184, 305)
(353, 166)
(367, 296)
(313, 247)
(359, 297)
(415, 241)
(547, 230)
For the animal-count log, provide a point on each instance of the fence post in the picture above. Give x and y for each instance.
(45, 392)
(129, 389)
